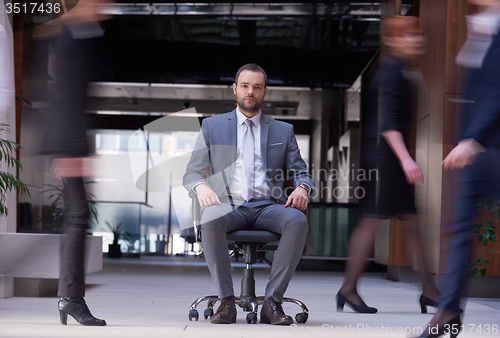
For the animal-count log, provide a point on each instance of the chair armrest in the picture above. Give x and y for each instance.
(196, 209)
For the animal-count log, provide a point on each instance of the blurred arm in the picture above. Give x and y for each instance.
(393, 96)
(410, 167)
(485, 124)
(197, 168)
(298, 174)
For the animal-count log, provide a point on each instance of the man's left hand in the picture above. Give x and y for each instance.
(298, 199)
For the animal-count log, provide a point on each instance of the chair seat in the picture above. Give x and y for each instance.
(251, 236)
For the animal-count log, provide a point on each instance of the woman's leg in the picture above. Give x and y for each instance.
(360, 247)
(414, 241)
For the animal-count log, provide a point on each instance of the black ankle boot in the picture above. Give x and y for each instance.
(77, 308)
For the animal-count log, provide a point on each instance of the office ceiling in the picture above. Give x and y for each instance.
(156, 51)
(301, 45)
(161, 99)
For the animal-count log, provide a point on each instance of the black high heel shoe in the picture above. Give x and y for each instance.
(341, 300)
(78, 309)
(425, 302)
(452, 327)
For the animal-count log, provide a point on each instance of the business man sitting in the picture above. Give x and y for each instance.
(244, 190)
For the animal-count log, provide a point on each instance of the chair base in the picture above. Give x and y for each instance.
(248, 304)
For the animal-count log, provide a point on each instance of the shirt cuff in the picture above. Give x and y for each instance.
(473, 146)
(197, 184)
(308, 187)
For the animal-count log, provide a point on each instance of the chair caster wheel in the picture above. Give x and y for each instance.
(193, 314)
(301, 317)
(208, 313)
(251, 318)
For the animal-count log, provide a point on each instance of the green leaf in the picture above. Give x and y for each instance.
(485, 243)
(9, 182)
(479, 239)
(473, 234)
(483, 272)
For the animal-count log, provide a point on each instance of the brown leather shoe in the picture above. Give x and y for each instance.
(226, 313)
(272, 313)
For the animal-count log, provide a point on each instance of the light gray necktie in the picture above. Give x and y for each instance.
(249, 161)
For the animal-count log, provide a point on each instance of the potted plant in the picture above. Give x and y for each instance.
(131, 252)
(53, 218)
(119, 232)
(8, 182)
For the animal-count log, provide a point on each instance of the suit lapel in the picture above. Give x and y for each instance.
(232, 126)
(264, 136)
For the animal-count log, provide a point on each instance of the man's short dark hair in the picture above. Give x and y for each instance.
(253, 67)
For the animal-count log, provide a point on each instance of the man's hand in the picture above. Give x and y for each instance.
(206, 196)
(412, 172)
(459, 157)
(298, 199)
(72, 167)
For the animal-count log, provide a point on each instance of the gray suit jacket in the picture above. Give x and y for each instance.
(216, 151)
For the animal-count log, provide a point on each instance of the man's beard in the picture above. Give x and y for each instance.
(252, 106)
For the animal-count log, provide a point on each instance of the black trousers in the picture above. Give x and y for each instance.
(72, 276)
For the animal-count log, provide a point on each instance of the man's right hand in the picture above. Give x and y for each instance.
(206, 196)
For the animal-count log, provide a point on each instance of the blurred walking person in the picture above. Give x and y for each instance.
(477, 155)
(383, 147)
(66, 141)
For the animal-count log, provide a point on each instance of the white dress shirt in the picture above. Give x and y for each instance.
(238, 182)
(481, 30)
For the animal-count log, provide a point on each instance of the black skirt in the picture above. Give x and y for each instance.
(387, 194)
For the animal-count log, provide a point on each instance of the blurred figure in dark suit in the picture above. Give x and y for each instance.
(477, 155)
(385, 134)
(66, 141)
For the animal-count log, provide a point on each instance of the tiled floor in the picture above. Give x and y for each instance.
(150, 297)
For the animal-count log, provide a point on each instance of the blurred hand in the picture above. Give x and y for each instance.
(85, 11)
(412, 172)
(72, 167)
(298, 199)
(206, 196)
(459, 157)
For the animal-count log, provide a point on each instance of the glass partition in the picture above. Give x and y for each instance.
(330, 226)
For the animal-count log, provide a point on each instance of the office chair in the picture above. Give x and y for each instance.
(252, 245)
